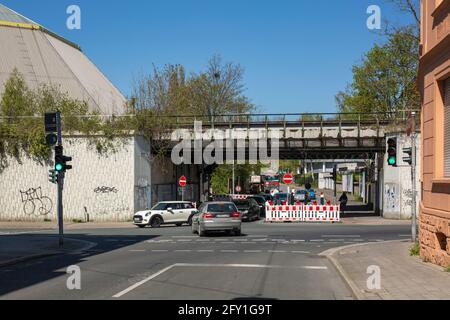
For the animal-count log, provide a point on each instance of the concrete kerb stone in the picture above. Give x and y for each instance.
(330, 254)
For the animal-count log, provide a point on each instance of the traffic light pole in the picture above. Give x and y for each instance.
(60, 189)
(413, 181)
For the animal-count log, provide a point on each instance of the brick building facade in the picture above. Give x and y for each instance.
(434, 84)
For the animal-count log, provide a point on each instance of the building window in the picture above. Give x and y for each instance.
(447, 128)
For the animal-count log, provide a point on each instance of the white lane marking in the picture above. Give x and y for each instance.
(240, 240)
(315, 240)
(252, 251)
(202, 240)
(257, 236)
(160, 250)
(298, 240)
(259, 240)
(229, 251)
(205, 250)
(140, 283)
(276, 251)
(183, 250)
(341, 236)
(302, 252)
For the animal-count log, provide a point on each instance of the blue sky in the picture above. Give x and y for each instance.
(296, 54)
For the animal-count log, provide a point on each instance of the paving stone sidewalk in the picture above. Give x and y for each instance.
(402, 277)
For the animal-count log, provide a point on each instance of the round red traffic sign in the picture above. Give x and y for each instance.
(238, 189)
(183, 181)
(288, 178)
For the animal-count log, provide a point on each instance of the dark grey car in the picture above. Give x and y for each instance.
(217, 216)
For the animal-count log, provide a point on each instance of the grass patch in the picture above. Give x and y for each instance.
(47, 220)
(447, 269)
(77, 221)
(414, 251)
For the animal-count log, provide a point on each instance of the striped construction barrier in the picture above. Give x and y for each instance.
(240, 196)
(302, 213)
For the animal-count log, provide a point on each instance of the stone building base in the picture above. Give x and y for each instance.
(435, 239)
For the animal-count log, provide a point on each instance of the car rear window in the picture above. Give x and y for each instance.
(242, 203)
(222, 207)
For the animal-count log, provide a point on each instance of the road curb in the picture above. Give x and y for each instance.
(330, 253)
(50, 253)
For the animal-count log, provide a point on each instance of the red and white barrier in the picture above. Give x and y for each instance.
(302, 213)
(239, 196)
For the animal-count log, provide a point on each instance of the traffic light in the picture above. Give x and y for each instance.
(52, 121)
(61, 160)
(392, 152)
(53, 176)
(408, 153)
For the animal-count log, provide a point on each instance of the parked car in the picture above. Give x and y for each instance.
(261, 200)
(302, 196)
(217, 216)
(170, 212)
(249, 209)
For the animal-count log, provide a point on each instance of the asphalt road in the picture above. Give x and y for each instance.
(269, 261)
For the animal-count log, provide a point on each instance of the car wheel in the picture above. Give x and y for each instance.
(179, 224)
(194, 231)
(141, 226)
(189, 221)
(237, 232)
(156, 222)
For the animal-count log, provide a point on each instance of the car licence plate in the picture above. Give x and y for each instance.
(222, 216)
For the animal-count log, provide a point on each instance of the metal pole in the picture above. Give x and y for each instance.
(413, 180)
(234, 186)
(60, 188)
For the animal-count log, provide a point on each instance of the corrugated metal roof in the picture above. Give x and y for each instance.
(6, 14)
(44, 59)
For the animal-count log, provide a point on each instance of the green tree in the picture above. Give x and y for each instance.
(385, 80)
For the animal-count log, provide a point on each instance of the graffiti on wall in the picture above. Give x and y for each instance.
(105, 190)
(391, 198)
(143, 194)
(34, 203)
(107, 201)
(408, 195)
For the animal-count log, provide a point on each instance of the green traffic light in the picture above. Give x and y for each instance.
(58, 167)
(392, 161)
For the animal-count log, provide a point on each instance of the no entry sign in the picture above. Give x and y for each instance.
(288, 178)
(183, 181)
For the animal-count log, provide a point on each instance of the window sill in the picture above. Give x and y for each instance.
(441, 181)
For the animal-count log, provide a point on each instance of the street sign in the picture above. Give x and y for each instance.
(183, 181)
(238, 189)
(288, 178)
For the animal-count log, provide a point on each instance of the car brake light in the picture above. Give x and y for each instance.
(236, 214)
(208, 215)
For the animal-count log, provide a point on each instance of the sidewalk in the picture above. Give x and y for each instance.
(373, 221)
(19, 248)
(5, 225)
(402, 277)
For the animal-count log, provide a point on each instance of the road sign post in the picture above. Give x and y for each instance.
(182, 183)
(288, 179)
